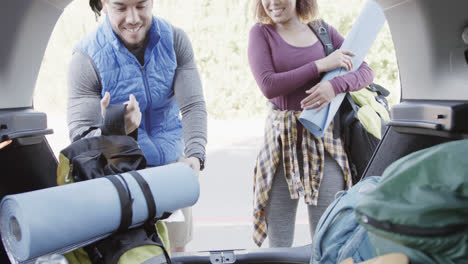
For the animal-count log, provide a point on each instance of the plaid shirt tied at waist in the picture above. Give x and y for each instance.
(280, 140)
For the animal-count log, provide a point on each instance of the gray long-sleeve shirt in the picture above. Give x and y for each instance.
(84, 95)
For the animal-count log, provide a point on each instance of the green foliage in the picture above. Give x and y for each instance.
(51, 85)
(219, 31)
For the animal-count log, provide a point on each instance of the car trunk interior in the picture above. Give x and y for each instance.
(433, 72)
(431, 58)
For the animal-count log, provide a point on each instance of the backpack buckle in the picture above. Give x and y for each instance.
(322, 30)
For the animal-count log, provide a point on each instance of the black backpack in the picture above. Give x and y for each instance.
(359, 144)
(108, 156)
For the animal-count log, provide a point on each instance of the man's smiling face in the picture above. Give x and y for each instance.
(130, 20)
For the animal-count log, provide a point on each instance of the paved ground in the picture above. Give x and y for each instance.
(223, 213)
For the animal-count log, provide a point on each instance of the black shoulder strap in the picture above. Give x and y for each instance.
(114, 120)
(320, 29)
(113, 124)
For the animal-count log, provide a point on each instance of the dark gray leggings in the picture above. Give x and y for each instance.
(280, 210)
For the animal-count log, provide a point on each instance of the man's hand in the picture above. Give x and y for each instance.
(105, 103)
(132, 112)
(338, 58)
(194, 163)
(319, 96)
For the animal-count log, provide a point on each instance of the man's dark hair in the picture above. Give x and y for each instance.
(96, 6)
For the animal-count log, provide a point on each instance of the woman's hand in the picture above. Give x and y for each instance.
(319, 96)
(338, 58)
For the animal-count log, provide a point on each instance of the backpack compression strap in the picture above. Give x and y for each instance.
(147, 193)
(151, 236)
(125, 202)
(113, 124)
(93, 250)
(324, 36)
(150, 225)
(114, 120)
(110, 250)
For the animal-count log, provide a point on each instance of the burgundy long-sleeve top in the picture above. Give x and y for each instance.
(284, 72)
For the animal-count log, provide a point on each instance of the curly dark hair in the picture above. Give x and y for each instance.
(96, 6)
(307, 11)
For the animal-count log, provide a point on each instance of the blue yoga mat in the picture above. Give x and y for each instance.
(40, 222)
(359, 40)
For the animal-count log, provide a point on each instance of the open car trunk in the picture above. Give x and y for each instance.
(433, 66)
(28, 163)
(433, 69)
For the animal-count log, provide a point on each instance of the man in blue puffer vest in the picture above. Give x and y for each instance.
(137, 59)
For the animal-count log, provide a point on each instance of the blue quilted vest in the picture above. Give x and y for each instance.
(160, 131)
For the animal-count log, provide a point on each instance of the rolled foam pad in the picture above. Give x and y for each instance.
(36, 223)
(359, 40)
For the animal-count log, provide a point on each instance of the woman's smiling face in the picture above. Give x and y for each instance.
(280, 11)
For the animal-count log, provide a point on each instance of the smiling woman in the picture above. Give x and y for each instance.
(218, 31)
(219, 34)
(306, 10)
(287, 61)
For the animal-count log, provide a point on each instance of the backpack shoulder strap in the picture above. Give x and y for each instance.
(320, 29)
(114, 120)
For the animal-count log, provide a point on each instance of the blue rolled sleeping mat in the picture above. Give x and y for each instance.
(359, 40)
(65, 217)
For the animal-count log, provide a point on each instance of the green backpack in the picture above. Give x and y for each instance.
(135, 255)
(95, 157)
(420, 206)
(114, 153)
